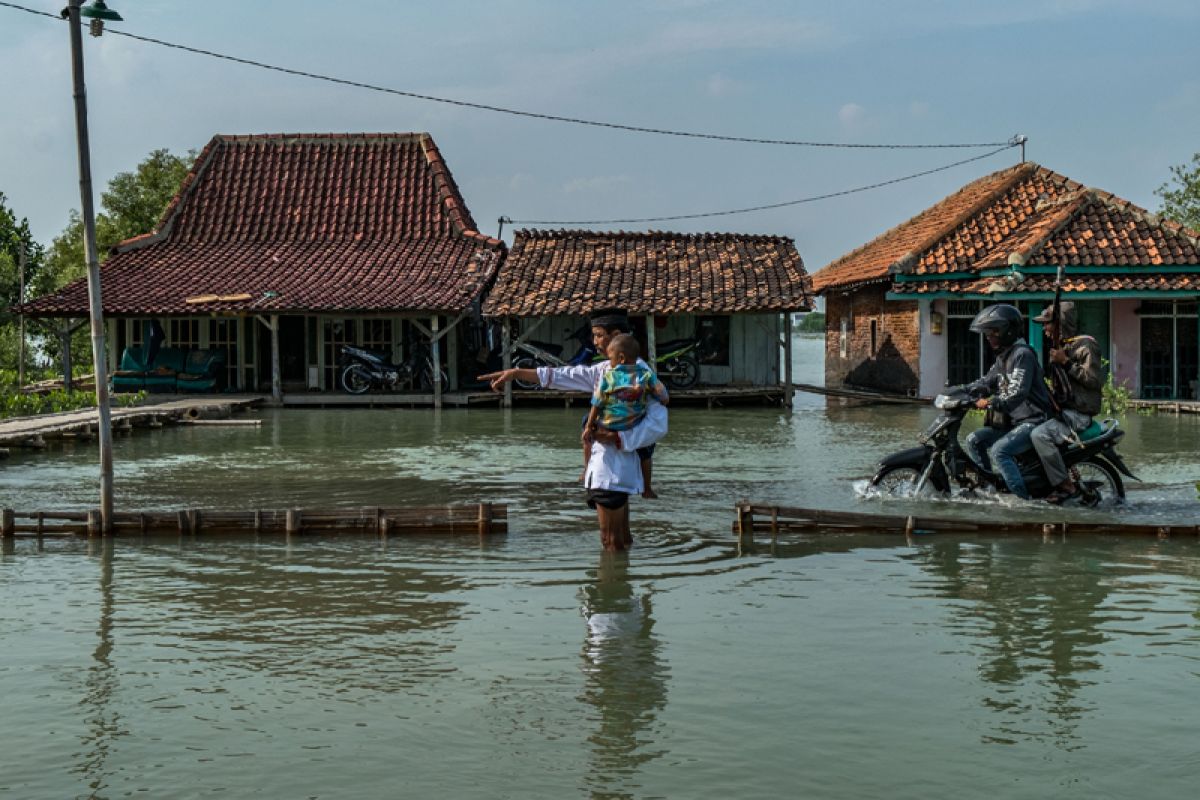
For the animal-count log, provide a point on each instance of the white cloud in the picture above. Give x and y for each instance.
(852, 116)
(719, 85)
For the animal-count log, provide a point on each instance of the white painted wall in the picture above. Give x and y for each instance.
(933, 357)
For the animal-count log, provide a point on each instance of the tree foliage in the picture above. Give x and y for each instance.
(1181, 195)
(131, 205)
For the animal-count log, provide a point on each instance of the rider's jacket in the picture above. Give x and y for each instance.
(1085, 369)
(1017, 385)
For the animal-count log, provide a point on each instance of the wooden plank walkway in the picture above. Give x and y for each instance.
(1167, 406)
(711, 396)
(482, 519)
(752, 518)
(81, 423)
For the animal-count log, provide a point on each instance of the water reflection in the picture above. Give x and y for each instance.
(625, 677)
(322, 613)
(100, 716)
(1033, 616)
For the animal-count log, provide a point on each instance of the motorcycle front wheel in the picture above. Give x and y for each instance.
(526, 362)
(900, 481)
(356, 379)
(682, 372)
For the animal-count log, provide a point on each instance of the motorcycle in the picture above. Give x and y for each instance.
(547, 354)
(940, 462)
(364, 370)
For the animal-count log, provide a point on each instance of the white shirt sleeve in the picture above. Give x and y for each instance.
(652, 428)
(579, 378)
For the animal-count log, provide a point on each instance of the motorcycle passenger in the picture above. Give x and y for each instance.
(1013, 389)
(1078, 400)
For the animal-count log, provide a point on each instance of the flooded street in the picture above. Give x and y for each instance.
(533, 665)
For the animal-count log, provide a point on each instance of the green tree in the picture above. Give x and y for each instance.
(1181, 195)
(131, 205)
(14, 236)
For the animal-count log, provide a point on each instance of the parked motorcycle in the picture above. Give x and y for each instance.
(941, 463)
(364, 370)
(537, 353)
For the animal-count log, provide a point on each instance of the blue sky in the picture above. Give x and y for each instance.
(1107, 91)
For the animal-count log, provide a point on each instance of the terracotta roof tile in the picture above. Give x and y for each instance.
(571, 272)
(1025, 215)
(369, 222)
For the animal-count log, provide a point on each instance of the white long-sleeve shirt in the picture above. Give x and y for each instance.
(612, 468)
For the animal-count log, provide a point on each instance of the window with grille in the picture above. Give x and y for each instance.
(337, 333)
(1170, 358)
(184, 333)
(223, 336)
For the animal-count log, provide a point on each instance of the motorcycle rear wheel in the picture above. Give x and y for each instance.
(682, 372)
(1102, 484)
(356, 379)
(526, 362)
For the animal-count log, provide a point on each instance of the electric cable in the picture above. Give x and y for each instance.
(786, 203)
(518, 112)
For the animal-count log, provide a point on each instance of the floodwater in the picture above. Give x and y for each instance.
(534, 665)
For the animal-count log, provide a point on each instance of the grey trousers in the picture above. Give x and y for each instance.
(1046, 439)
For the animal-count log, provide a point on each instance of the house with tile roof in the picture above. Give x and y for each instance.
(898, 308)
(278, 249)
(734, 291)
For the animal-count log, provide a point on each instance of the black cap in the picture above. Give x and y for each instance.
(609, 318)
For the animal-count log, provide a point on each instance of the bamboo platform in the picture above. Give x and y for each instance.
(752, 519)
(862, 395)
(34, 432)
(481, 519)
(1167, 406)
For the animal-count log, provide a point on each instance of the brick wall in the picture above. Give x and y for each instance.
(893, 363)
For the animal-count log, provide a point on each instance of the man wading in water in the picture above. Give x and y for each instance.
(614, 471)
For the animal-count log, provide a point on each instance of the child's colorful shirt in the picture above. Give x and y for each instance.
(622, 395)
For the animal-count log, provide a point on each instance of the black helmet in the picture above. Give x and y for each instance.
(1004, 319)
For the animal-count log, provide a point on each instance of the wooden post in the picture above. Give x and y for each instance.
(385, 527)
(64, 338)
(7, 524)
(257, 521)
(379, 518)
(435, 355)
(93, 522)
(194, 520)
(294, 521)
(451, 338)
(788, 391)
(506, 353)
(485, 519)
(651, 344)
(276, 380)
(41, 524)
(745, 522)
(182, 520)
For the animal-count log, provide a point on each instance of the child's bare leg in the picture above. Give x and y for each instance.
(647, 470)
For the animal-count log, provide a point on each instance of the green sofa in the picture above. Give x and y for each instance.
(175, 369)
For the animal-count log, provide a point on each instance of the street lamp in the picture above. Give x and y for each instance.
(97, 12)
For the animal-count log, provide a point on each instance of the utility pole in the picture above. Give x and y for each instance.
(21, 318)
(96, 307)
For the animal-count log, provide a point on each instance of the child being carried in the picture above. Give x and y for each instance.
(622, 395)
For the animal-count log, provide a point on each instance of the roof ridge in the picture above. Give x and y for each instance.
(167, 220)
(579, 233)
(1070, 206)
(239, 138)
(1022, 172)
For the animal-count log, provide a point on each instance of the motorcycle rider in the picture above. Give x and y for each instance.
(1078, 400)
(1013, 389)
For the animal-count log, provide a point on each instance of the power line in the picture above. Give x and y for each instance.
(677, 217)
(513, 111)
